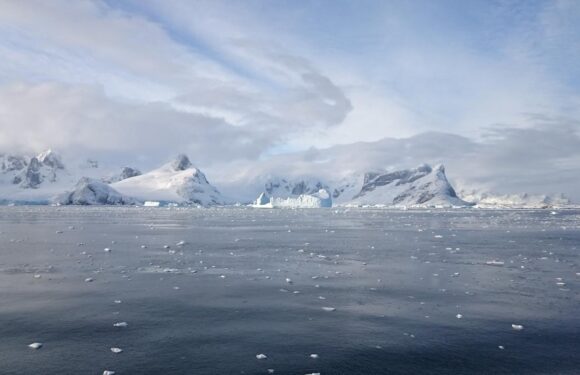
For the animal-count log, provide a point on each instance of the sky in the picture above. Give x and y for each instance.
(238, 84)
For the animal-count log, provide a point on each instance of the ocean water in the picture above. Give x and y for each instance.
(203, 291)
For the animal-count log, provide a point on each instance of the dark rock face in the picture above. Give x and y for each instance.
(51, 159)
(32, 178)
(128, 172)
(12, 163)
(293, 188)
(181, 163)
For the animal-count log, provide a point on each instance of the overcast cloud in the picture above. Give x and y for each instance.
(491, 89)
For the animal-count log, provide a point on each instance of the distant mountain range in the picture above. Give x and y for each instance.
(46, 179)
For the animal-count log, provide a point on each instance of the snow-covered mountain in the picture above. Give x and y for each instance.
(89, 191)
(38, 179)
(30, 173)
(42, 178)
(421, 186)
(418, 187)
(178, 181)
(524, 200)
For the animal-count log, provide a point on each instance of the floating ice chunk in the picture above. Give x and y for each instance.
(116, 350)
(107, 250)
(120, 324)
(517, 327)
(35, 345)
(117, 301)
(459, 316)
(314, 373)
(108, 372)
(261, 356)
(329, 308)
(501, 347)
(180, 243)
(494, 263)
(89, 280)
(313, 356)
(289, 281)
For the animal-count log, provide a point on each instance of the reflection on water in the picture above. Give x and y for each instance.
(203, 291)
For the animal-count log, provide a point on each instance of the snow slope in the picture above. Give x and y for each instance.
(178, 181)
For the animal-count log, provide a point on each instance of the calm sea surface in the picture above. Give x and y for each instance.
(204, 291)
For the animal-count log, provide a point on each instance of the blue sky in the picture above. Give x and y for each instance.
(243, 80)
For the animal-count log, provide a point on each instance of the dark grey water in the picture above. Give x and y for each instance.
(397, 281)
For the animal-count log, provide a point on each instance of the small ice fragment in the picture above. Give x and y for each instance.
(35, 345)
(459, 316)
(166, 246)
(180, 243)
(89, 280)
(494, 263)
(517, 327)
(116, 350)
(329, 308)
(108, 372)
(223, 276)
(501, 347)
(438, 236)
(120, 324)
(289, 281)
(261, 356)
(107, 250)
(143, 246)
(313, 356)
(117, 301)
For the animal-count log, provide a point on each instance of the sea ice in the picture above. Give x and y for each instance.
(35, 345)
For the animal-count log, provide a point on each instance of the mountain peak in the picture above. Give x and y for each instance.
(51, 159)
(181, 163)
